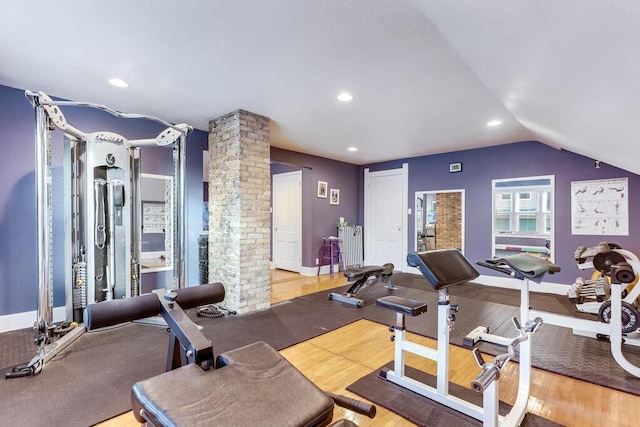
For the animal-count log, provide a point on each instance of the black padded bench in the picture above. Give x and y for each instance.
(254, 385)
(361, 278)
(405, 306)
(442, 268)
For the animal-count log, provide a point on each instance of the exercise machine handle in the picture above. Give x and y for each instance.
(490, 373)
(353, 404)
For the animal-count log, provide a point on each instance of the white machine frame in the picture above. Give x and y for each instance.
(488, 382)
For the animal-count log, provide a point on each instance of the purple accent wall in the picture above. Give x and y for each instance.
(531, 158)
(319, 218)
(18, 275)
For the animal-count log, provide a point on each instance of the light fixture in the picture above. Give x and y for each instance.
(118, 82)
(352, 149)
(493, 123)
(345, 97)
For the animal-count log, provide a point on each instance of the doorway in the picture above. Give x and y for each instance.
(385, 216)
(287, 221)
(439, 219)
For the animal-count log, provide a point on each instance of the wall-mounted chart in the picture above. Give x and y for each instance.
(600, 207)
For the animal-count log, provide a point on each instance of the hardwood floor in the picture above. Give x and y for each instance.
(338, 358)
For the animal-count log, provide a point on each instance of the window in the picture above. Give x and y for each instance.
(523, 216)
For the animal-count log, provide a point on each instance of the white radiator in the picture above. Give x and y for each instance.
(351, 245)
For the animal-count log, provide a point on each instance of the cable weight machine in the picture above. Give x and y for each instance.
(102, 219)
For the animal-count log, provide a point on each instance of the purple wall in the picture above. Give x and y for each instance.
(319, 218)
(481, 166)
(18, 276)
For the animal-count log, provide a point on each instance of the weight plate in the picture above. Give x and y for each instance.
(604, 260)
(630, 316)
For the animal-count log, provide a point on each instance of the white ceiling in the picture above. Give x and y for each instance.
(426, 75)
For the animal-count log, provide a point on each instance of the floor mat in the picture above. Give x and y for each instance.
(555, 349)
(91, 380)
(422, 411)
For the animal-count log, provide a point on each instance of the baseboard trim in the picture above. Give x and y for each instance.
(12, 322)
(313, 271)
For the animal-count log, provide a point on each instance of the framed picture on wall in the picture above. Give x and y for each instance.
(322, 189)
(334, 197)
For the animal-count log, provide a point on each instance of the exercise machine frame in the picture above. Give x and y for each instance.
(445, 268)
(48, 116)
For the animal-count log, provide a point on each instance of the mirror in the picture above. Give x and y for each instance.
(523, 216)
(156, 197)
(439, 220)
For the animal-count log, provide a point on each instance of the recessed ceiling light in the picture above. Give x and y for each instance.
(118, 82)
(493, 123)
(352, 148)
(345, 97)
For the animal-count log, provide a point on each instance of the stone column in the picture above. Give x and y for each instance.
(239, 209)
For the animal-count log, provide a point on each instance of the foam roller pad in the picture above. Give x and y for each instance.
(196, 296)
(117, 311)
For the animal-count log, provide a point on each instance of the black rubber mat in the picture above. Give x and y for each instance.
(91, 380)
(16, 347)
(422, 411)
(555, 349)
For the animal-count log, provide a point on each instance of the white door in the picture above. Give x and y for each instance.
(287, 221)
(385, 217)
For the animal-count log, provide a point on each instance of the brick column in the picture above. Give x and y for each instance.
(239, 216)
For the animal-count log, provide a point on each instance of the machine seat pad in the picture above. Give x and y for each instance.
(443, 267)
(360, 272)
(529, 266)
(255, 386)
(406, 306)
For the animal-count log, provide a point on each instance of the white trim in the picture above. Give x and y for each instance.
(404, 171)
(325, 269)
(462, 207)
(297, 175)
(26, 319)
(552, 236)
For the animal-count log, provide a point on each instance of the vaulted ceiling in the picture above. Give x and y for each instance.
(426, 75)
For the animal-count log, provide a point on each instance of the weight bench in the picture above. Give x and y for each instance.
(443, 269)
(251, 385)
(362, 277)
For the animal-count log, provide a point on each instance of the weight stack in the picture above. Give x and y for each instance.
(203, 258)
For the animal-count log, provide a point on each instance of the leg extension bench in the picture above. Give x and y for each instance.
(251, 385)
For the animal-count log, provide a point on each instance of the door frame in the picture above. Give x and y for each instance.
(298, 232)
(462, 208)
(368, 208)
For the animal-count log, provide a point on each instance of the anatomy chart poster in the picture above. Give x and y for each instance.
(600, 207)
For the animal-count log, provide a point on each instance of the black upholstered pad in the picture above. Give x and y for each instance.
(356, 273)
(443, 267)
(256, 387)
(406, 306)
(529, 266)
